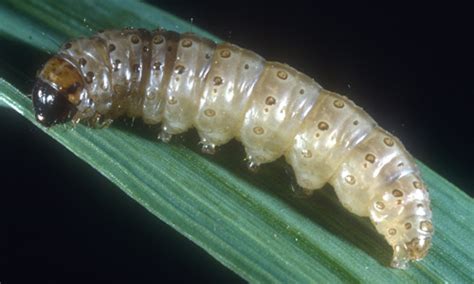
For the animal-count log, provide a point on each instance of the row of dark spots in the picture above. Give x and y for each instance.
(156, 40)
(89, 77)
(271, 101)
(371, 158)
(425, 225)
(323, 125)
(116, 64)
(218, 81)
(178, 69)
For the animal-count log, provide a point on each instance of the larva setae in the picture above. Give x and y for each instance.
(226, 92)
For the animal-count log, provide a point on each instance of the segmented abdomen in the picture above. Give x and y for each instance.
(226, 92)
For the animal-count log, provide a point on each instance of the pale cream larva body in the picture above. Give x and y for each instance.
(225, 92)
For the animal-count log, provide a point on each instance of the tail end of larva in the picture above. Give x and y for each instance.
(414, 250)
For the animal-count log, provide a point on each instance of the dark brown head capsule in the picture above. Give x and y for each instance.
(57, 92)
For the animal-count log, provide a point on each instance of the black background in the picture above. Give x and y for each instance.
(409, 66)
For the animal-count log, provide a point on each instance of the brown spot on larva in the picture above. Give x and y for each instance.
(111, 47)
(408, 226)
(426, 226)
(258, 130)
(301, 92)
(136, 68)
(156, 66)
(392, 231)
(350, 179)
(379, 205)
(214, 90)
(417, 184)
(265, 109)
(117, 64)
(246, 66)
(208, 56)
(225, 53)
(282, 75)
(68, 45)
(179, 69)
(135, 39)
(323, 125)
(89, 77)
(397, 193)
(186, 43)
(399, 202)
(210, 112)
(217, 81)
(158, 39)
(355, 122)
(388, 141)
(401, 164)
(146, 48)
(172, 100)
(82, 61)
(370, 158)
(307, 153)
(338, 103)
(270, 100)
(420, 205)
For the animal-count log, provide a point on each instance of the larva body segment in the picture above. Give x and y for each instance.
(228, 92)
(185, 85)
(334, 123)
(276, 111)
(154, 100)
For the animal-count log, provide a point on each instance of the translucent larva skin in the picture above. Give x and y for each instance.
(226, 92)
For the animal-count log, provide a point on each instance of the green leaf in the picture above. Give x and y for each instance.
(250, 223)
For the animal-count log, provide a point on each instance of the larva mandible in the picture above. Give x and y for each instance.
(226, 92)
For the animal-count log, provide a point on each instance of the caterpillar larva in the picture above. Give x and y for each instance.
(226, 92)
